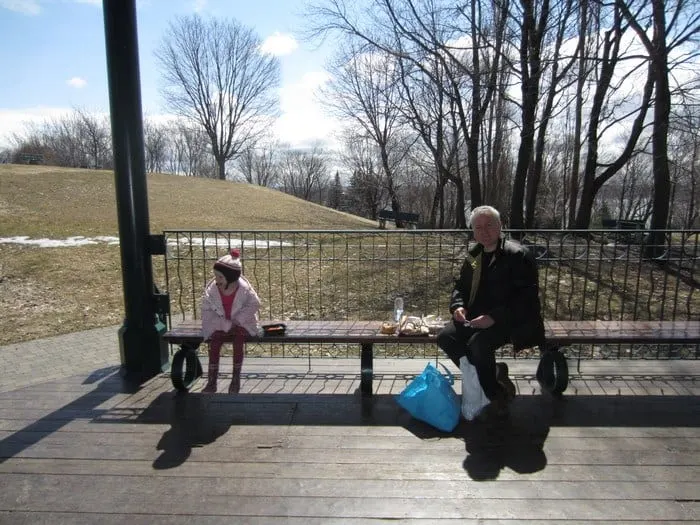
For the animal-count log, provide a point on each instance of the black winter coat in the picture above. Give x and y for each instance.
(507, 290)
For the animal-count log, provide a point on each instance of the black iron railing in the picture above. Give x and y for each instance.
(591, 274)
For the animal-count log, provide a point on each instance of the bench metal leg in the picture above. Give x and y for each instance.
(186, 368)
(366, 368)
(553, 371)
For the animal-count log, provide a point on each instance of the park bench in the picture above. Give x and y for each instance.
(31, 158)
(628, 231)
(552, 370)
(411, 219)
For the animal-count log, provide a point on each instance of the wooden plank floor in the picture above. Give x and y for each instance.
(299, 445)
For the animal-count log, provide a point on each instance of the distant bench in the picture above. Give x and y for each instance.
(31, 158)
(552, 370)
(390, 215)
(629, 230)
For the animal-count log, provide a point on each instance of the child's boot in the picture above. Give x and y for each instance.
(235, 385)
(213, 375)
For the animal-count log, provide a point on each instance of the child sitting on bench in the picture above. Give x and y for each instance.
(229, 306)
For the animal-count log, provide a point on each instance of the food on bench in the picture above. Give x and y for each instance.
(412, 325)
(389, 328)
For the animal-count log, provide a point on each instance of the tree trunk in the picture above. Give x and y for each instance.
(658, 55)
(531, 71)
(659, 139)
(221, 168)
(582, 73)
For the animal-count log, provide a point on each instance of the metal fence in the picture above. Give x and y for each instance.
(591, 274)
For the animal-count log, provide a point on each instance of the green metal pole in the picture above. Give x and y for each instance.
(143, 353)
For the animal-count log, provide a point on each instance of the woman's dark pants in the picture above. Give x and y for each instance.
(479, 346)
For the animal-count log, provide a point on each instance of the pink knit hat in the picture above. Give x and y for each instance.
(230, 265)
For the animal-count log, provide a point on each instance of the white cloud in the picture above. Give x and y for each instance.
(160, 119)
(77, 82)
(199, 5)
(27, 7)
(302, 122)
(279, 44)
(97, 3)
(17, 120)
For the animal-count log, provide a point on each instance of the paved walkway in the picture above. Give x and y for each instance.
(58, 357)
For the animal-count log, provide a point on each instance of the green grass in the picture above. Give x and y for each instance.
(51, 291)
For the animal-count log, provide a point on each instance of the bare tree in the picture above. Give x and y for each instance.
(96, 138)
(496, 146)
(681, 27)
(432, 115)
(588, 26)
(191, 149)
(259, 165)
(659, 39)
(543, 70)
(552, 194)
(628, 197)
(366, 189)
(77, 140)
(216, 76)
(155, 145)
(62, 137)
(304, 173)
(366, 89)
(684, 142)
(467, 43)
(606, 111)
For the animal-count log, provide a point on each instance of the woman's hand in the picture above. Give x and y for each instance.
(460, 315)
(483, 321)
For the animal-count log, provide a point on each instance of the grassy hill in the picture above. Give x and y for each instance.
(49, 291)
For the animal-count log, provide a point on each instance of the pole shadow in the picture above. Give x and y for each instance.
(109, 383)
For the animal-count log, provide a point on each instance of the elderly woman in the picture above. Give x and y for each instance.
(495, 301)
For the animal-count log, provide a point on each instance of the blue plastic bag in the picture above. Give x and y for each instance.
(430, 398)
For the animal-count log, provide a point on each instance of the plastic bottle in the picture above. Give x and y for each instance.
(398, 309)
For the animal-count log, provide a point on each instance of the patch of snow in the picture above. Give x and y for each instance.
(195, 241)
(223, 242)
(57, 243)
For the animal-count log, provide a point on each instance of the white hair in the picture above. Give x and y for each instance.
(484, 210)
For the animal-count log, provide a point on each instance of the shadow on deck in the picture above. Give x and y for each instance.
(314, 454)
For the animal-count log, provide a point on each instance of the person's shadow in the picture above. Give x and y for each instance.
(190, 426)
(516, 442)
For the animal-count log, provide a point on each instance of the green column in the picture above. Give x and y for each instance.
(143, 353)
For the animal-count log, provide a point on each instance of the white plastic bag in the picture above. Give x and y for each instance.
(473, 397)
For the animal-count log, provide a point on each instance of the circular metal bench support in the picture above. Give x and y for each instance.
(186, 368)
(553, 371)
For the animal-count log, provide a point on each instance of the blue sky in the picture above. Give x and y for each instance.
(52, 58)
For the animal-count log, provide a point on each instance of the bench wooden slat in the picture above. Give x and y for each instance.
(559, 332)
(306, 332)
(572, 332)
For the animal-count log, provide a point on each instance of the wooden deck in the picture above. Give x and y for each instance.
(300, 445)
